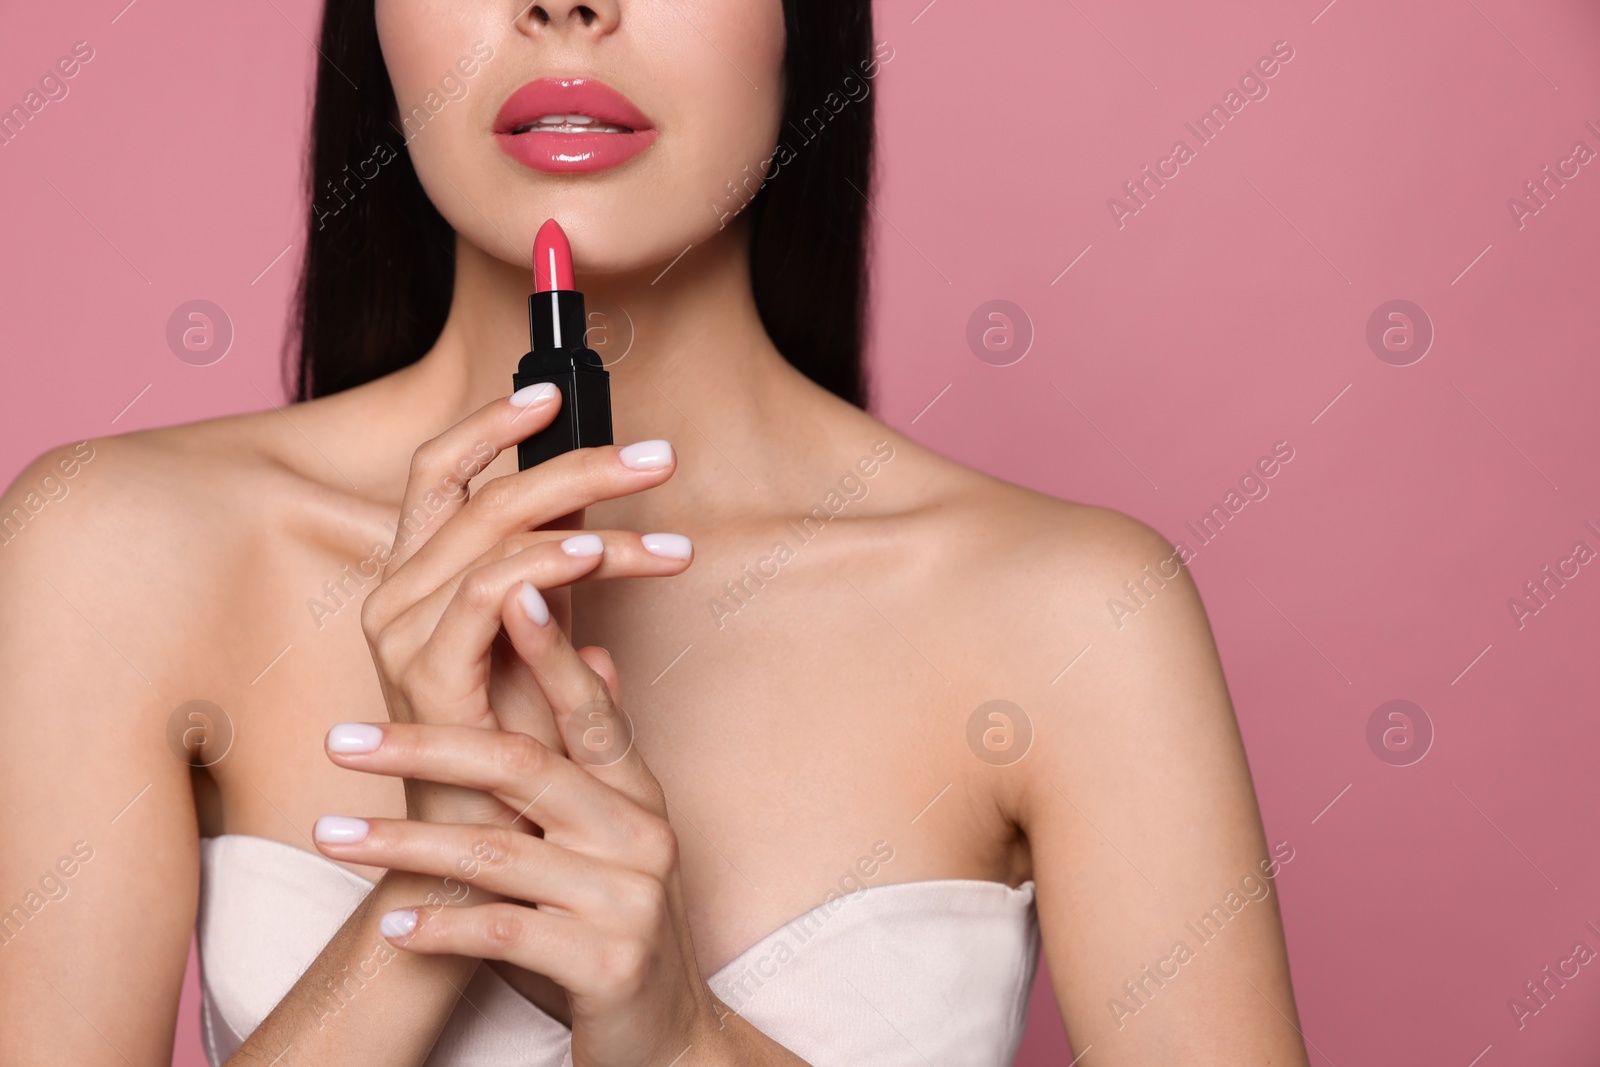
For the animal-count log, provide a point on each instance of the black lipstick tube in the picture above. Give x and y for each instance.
(557, 353)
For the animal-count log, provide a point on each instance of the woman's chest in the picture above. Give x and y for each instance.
(807, 742)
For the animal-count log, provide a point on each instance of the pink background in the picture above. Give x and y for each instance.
(1225, 316)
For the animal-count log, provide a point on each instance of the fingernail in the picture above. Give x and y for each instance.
(340, 830)
(398, 923)
(530, 395)
(672, 546)
(583, 545)
(646, 455)
(354, 737)
(533, 604)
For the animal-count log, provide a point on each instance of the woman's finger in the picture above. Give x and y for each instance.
(619, 554)
(516, 502)
(498, 859)
(518, 770)
(599, 660)
(594, 725)
(446, 678)
(451, 662)
(564, 949)
(441, 467)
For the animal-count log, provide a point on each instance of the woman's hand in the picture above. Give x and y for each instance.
(607, 919)
(433, 620)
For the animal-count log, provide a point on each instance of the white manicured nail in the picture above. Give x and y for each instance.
(533, 604)
(340, 830)
(670, 545)
(530, 395)
(583, 545)
(354, 737)
(398, 923)
(646, 455)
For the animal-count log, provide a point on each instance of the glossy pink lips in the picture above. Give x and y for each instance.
(543, 126)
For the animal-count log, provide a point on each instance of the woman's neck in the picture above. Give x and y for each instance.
(700, 371)
(694, 325)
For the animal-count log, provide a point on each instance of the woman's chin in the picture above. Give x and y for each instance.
(604, 244)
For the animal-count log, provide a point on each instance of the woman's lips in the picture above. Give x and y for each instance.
(571, 126)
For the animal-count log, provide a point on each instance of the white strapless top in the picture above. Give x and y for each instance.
(920, 974)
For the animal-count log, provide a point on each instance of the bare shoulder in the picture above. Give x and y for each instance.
(158, 524)
(1027, 562)
(1081, 616)
(147, 495)
(121, 564)
(1053, 584)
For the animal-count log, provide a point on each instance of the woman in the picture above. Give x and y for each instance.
(879, 738)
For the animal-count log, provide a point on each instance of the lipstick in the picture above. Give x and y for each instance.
(557, 354)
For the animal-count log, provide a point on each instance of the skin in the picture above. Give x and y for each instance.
(834, 703)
